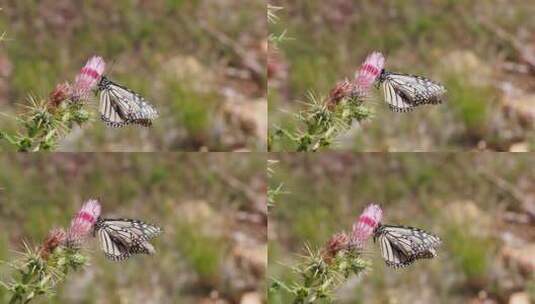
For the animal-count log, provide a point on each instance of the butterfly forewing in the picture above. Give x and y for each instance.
(394, 100)
(113, 249)
(137, 229)
(110, 112)
(392, 255)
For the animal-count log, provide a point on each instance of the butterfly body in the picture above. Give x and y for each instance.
(122, 238)
(401, 245)
(404, 92)
(120, 106)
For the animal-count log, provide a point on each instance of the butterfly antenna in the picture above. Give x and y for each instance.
(112, 66)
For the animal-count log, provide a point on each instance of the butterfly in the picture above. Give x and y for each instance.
(403, 92)
(401, 245)
(120, 106)
(122, 238)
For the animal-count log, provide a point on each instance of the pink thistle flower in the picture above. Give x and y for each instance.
(368, 73)
(366, 224)
(82, 224)
(55, 238)
(342, 90)
(336, 243)
(88, 78)
(60, 93)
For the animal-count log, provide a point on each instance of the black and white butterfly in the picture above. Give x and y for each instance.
(403, 92)
(401, 245)
(121, 238)
(120, 106)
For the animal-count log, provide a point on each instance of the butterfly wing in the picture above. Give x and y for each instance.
(142, 248)
(392, 256)
(395, 101)
(128, 105)
(110, 113)
(134, 229)
(112, 249)
(403, 245)
(403, 92)
(121, 238)
(418, 89)
(136, 108)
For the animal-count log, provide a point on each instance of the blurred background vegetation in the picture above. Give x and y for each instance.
(212, 209)
(482, 51)
(481, 205)
(201, 63)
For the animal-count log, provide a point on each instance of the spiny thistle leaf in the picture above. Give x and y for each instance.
(322, 123)
(42, 124)
(320, 277)
(324, 119)
(35, 275)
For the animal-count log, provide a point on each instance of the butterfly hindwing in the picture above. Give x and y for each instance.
(142, 248)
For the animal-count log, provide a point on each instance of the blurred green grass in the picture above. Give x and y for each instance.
(201, 252)
(443, 193)
(43, 191)
(471, 254)
(330, 40)
(49, 41)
